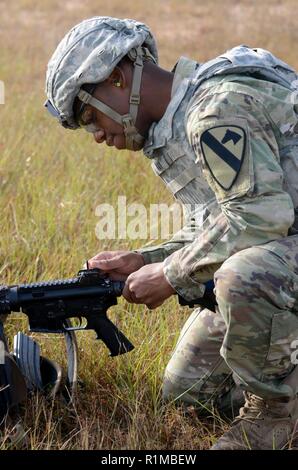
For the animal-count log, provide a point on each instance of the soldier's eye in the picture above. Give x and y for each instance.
(87, 117)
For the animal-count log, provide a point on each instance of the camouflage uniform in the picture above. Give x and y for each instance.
(226, 148)
(238, 136)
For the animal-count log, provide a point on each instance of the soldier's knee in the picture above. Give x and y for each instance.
(180, 390)
(224, 400)
(171, 388)
(196, 369)
(175, 387)
(240, 276)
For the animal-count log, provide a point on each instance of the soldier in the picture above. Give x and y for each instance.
(223, 137)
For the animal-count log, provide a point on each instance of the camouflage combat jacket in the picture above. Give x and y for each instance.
(226, 148)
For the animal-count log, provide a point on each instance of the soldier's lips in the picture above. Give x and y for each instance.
(118, 141)
(110, 140)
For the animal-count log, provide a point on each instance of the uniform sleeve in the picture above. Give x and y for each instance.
(237, 151)
(184, 237)
(158, 253)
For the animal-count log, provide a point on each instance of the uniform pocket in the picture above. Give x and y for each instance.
(283, 342)
(164, 160)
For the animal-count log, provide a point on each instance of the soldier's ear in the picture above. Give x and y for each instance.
(117, 78)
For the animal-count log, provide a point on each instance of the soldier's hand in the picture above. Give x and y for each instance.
(148, 286)
(118, 264)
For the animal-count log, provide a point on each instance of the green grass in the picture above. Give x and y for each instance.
(51, 181)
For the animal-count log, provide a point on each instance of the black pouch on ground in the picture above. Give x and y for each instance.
(13, 390)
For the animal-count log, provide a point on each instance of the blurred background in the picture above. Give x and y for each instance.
(51, 181)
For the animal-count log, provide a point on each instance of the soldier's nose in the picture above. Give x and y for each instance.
(99, 136)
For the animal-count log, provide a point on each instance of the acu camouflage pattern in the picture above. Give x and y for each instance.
(249, 342)
(89, 53)
(239, 236)
(257, 294)
(196, 374)
(257, 208)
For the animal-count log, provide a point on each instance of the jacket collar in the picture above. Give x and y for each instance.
(161, 131)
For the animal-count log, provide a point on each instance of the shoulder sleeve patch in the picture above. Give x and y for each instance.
(224, 153)
(223, 150)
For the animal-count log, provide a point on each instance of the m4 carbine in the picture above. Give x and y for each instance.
(50, 305)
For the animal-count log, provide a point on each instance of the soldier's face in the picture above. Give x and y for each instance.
(106, 129)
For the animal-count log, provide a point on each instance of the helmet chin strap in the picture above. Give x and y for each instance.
(128, 121)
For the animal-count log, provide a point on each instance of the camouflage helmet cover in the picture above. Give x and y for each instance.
(89, 53)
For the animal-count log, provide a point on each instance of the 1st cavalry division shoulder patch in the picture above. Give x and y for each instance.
(223, 149)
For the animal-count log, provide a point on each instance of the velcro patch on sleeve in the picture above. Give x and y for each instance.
(224, 153)
(223, 150)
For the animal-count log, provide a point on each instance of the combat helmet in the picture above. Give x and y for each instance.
(87, 55)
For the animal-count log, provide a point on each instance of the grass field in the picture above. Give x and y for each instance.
(51, 182)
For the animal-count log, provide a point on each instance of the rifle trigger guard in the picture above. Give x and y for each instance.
(81, 327)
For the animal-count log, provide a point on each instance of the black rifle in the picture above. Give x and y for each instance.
(50, 305)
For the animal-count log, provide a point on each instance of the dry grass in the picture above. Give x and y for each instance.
(52, 180)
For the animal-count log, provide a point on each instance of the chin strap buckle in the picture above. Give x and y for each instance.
(135, 99)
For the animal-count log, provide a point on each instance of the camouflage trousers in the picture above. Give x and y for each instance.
(251, 341)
